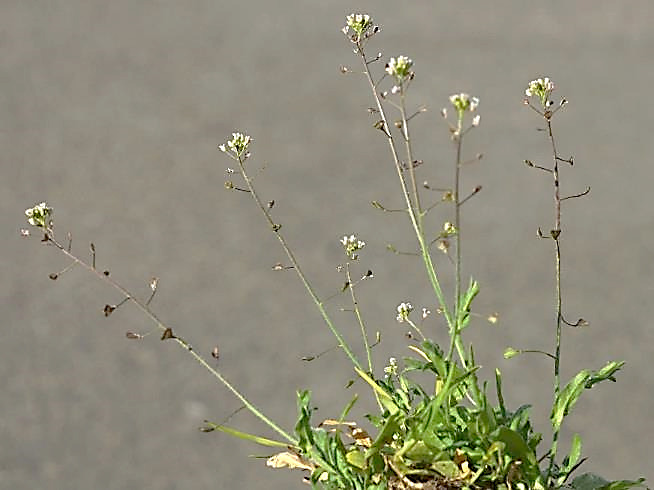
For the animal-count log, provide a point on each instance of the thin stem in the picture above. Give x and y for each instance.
(362, 325)
(410, 159)
(457, 240)
(556, 235)
(291, 257)
(457, 225)
(424, 247)
(357, 313)
(416, 328)
(455, 336)
(181, 342)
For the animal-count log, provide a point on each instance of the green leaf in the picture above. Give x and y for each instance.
(448, 469)
(303, 425)
(575, 450)
(421, 452)
(385, 435)
(430, 351)
(465, 304)
(348, 407)
(510, 352)
(624, 484)
(356, 458)
(520, 418)
(500, 395)
(591, 481)
(384, 398)
(584, 380)
(246, 436)
(605, 373)
(514, 445)
(571, 459)
(588, 481)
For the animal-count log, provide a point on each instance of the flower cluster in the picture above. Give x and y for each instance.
(352, 245)
(400, 68)
(391, 369)
(238, 145)
(403, 311)
(464, 102)
(40, 215)
(541, 88)
(361, 25)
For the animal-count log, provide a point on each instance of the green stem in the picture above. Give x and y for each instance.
(357, 313)
(291, 257)
(150, 314)
(558, 296)
(456, 334)
(362, 325)
(456, 340)
(410, 159)
(414, 216)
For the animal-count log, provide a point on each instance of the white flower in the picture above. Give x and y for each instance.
(40, 215)
(361, 24)
(541, 88)
(352, 244)
(537, 87)
(400, 67)
(238, 145)
(464, 102)
(403, 311)
(391, 369)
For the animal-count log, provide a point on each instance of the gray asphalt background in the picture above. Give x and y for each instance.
(112, 112)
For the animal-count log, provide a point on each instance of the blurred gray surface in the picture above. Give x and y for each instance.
(112, 111)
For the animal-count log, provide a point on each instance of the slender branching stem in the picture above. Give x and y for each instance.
(414, 216)
(362, 325)
(357, 313)
(145, 308)
(314, 296)
(556, 235)
(416, 328)
(410, 160)
(455, 335)
(457, 227)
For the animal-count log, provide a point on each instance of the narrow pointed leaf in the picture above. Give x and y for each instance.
(384, 398)
(584, 380)
(246, 436)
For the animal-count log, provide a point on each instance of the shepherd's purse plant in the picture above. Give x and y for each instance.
(454, 431)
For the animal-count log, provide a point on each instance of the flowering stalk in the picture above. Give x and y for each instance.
(40, 216)
(403, 312)
(462, 103)
(541, 89)
(357, 313)
(399, 69)
(362, 32)
(355, 303)
(238, 149)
